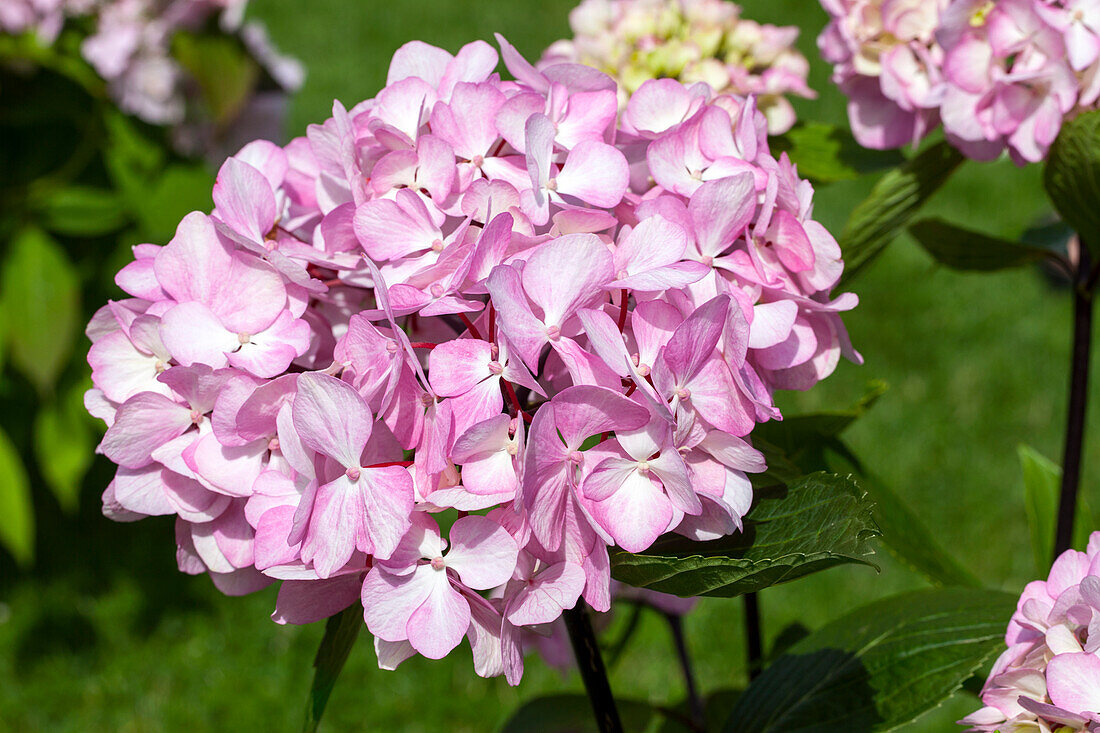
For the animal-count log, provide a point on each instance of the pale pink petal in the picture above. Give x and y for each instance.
(438, 625)
(331, 418)
(306, 601)
(482, 552)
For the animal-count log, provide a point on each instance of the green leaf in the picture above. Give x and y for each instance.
(572, 713)
(132, 159)
(964, 249)
(41, 302)
(1042, 489)
(341, 631)
(1072, 176)
(177, 191)
(83, 211)
(878, 667)
(909, 540)
(815, 523)
(225, 72)
(811, 442)
(825, 153)
(17, 527)
(894, 200)
(64, 444)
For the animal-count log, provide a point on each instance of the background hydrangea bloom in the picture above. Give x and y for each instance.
(467, 295)
(131, 48)
(691, 41)
(998, 74)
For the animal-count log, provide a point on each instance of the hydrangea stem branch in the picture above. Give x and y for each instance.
(1078, 406)
(695, 703)
(753, 637)
(585, 649)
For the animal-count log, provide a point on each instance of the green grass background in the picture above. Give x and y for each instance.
(104, 634)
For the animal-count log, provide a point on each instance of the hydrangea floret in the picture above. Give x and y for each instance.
(1048, 679)
(998, 74)
(441, 353)
(693, 41)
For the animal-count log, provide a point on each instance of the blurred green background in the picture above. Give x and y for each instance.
(102, 632)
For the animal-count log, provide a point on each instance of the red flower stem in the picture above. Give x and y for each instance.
(492, 322)
(406, 464)
(470, 326)
(422, 345)
(514, 399)
(623, 296)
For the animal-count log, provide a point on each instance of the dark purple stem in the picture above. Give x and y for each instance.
(592, 670)
(754, 638)
(1078, 405)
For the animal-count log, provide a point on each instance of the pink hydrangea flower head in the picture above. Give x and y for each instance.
(473, 304)
(1049, 676)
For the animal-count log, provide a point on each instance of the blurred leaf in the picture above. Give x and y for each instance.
(1072, 176)
(176, 192)
(811, 443)
(878, 667)
(815, 523)
(132, 159)
(64, 444)
(341, 631)
(825, 153)
(83, 211)
(964, 249)
(1042, 488)
(572, 713)
(41, 302)
(223, 69)
(894, 200)
(17, 527)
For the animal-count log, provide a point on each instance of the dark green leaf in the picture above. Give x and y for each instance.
(1042, 487)
(132, 159)
(824, 153)
(964, 249)
(815, 523)
(895, 199)
(572, 713)
(83, 211)
(1072, 176)
(225, 72)
(41, 302)
(17, 527)
(878, 667)
(64, 444)
(341, 631)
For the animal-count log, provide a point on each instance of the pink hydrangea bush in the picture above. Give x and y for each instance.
(998, 74)
(1048, 679)
(692, 41)
(131, 49)
(469, 300)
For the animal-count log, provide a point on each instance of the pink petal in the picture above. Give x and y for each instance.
(454, 367)
(193, 334)
(482, 552)
(144, 423)
(720, 211)
(306, 601)
(438, 625)
(331, 418)
(636, 514)
(554, 589)
(390, 600)
(567, 273)
(387, 495)
(1073, 682)
(584, 411)
(334, 525)
(244, 200)
(596, 173)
